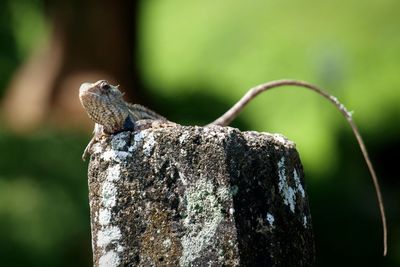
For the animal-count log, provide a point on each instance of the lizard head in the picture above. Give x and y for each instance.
(100, 89)
(104, 104)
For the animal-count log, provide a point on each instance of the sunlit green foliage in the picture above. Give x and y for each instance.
(349, 47)
(30, 30)
(43, 200)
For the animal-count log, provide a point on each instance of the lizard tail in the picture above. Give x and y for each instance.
(232, 113)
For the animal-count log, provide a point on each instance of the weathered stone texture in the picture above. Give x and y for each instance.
(198, 196)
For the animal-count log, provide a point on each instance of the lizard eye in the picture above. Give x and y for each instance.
(105, 86)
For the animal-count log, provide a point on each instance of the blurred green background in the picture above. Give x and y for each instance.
(191, 61)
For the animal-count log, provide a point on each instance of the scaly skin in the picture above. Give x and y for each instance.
(104, 104)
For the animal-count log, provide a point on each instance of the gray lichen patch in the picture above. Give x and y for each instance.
(106, 234)
(199, 196)
(203, 217)
(290, 186)
(270, 218)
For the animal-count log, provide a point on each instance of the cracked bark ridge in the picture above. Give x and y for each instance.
(198, 196)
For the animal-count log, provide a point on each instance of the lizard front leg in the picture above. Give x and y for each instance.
(98, 132)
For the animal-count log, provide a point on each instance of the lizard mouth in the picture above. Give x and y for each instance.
(88, 88)
(92, 94)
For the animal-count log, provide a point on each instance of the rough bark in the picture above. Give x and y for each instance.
(198, 196)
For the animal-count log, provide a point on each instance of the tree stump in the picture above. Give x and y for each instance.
(198, 196)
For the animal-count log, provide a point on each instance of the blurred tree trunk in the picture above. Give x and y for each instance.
(89, 40)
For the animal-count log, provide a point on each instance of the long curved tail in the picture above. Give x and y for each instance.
(232, 113)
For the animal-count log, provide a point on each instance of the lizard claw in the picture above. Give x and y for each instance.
(88, 150)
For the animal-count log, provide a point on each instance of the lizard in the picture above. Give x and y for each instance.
(105, 105)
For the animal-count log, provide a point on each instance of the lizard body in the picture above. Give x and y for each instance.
(104, 104)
